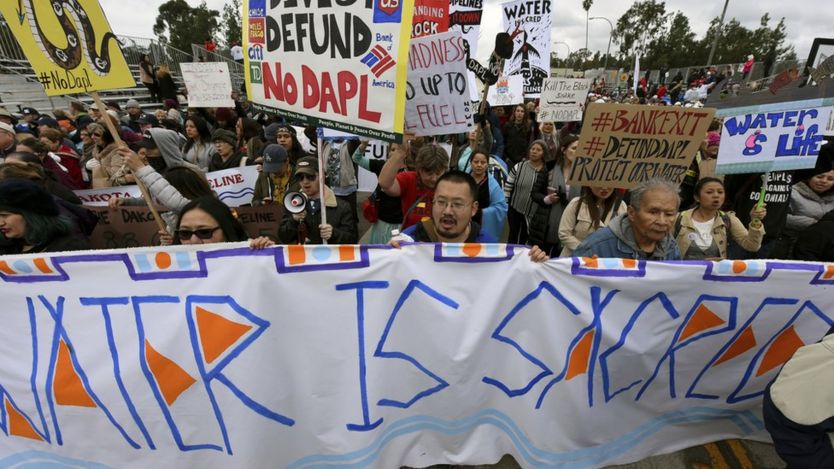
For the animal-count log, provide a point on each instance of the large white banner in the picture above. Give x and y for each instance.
(372, 357)
(563, 99)
(772, 140)
(208, 84)
(235, 187)
(529, 22)
(438, 100)
(341, 65)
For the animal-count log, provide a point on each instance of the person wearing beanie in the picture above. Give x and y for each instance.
(275, 176)
(227, 156)
(30, 221)
(7, 139)
(134, 113)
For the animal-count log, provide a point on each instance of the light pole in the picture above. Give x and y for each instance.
(611, 33)
(564, 44)
(717, 33)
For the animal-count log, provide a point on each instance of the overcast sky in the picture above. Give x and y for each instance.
(812, 19)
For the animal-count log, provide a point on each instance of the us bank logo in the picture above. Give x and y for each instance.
(388, 11)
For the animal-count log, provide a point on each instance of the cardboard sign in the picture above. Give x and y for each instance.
(623, 145)
(778, 140)
(340, 65)
(72, 50)
(430, 17)
(438, 100)
(507, 91)
(563, 99)
(529, 23)
(208, 83)
(130, 227)
(302, 357)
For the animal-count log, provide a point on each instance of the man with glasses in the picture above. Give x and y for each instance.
(306, 227)
(454, 204)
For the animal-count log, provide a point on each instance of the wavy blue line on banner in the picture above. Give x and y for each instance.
(39, 459)
(746, 421)
(236, 194)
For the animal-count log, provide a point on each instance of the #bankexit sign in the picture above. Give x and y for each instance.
(354, 356)
(335, 64)
(623, 145)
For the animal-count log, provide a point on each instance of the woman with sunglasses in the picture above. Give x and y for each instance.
(207, 220)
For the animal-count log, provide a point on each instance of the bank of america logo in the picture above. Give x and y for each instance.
(378, 60)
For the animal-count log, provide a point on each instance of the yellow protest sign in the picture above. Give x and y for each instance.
(69, 44)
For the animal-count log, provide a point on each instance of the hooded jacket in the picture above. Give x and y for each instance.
(807, 207)
(617, 241)
(169, 144)
(798, 405)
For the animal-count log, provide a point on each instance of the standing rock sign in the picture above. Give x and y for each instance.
(69, 45)
(438, 99)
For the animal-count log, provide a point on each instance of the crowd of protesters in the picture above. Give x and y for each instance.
(520, 167)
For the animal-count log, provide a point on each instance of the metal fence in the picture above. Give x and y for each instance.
(236, 70)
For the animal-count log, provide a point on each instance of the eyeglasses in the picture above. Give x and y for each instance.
(202, 233)
(305, 176)
(456, 206)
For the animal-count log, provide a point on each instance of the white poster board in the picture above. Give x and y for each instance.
(208, 84)
(438, 100)
(507, 91)
(772, 140)
(563, 99)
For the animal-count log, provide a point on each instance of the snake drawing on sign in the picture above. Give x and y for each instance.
(79, 32)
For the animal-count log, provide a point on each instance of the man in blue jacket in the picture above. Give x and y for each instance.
(644, 231)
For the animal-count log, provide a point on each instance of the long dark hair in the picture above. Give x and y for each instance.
(202, 129)
(232, 229)
(188, 182)
(564, 143)
(250, 129)
(588, 198)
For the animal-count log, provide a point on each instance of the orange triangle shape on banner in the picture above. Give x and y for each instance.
(18, 425)
(67, 386)
(217, 333)
(170, 377)
(578, 363)
(703, 319)
(780, 351)
(745, 342)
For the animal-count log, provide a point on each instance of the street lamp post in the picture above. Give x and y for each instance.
(717, 34)
(611, 33)
(564, 44)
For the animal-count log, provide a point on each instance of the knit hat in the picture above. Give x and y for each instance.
(224, 135)
(223, 114)
(47, 121)
(271, 131)
(713, 139)
(307, 165)
(19, 195)
(4, 127)
(275, 156)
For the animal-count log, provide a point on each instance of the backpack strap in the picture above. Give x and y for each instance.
(677, 226)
